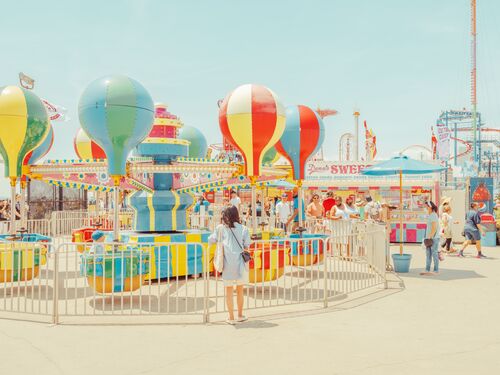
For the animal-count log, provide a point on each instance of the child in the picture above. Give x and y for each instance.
(98, 238)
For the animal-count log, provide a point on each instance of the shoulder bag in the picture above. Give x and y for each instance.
(247, 257)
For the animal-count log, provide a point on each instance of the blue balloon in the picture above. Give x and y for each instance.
(117, 113)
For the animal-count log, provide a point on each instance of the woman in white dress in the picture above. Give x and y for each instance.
(235, 238)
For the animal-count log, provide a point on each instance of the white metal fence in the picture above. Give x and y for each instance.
(39, 226)
(62, 223)
(178, 278)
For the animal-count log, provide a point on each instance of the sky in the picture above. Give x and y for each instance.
(399, 62)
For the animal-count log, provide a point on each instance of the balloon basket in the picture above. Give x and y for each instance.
(8, 276)
(307, 259)
(268, 261)
(21, 263)
(176, 255)
(122, 270)
(105, 285)
(307, 249)
(257, 276)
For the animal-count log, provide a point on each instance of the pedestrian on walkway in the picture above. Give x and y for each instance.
(447, 228)
(431, 235)
(473, 230)
(235, 239)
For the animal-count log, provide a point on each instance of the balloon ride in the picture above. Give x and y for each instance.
(24, 124)
(252, 119)
(303, 136)
(117, 113)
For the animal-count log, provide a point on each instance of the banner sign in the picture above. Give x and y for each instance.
(327, 170)
(443, 141)
(350, 173)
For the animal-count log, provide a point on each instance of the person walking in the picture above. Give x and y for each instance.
(473, 230)
(235, 239)
(431, 240)
(447, 228)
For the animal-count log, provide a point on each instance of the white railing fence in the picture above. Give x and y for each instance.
(39, 226)
(64, 222)
(77, 280)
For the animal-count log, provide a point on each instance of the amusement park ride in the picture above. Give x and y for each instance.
(119, 118)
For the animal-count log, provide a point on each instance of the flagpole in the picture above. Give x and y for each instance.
(400, 212)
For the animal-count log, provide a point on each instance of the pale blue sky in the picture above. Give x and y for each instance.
(400, 62)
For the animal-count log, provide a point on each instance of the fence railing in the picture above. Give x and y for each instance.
(64, 222)
(39, 226)
(83, 280)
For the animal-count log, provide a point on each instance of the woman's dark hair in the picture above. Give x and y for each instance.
(230, 215)
(312, 197)
(473, 205)
(432, 206)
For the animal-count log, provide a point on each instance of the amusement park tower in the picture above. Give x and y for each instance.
(163, 210)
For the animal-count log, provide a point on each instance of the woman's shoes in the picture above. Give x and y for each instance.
(240, 319)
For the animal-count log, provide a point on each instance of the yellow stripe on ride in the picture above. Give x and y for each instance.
(151, 212)
(13, 124)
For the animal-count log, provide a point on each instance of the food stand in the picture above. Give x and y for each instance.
(345, 179)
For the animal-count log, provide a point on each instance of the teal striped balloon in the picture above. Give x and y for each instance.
(117, 113)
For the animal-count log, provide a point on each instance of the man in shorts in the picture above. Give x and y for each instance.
(473, 230)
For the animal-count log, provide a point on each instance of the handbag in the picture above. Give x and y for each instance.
(247, 257)
(428, 242)
(219, 253)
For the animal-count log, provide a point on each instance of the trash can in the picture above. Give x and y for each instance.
(490, 227)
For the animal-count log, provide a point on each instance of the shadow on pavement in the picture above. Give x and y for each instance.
(255, 324)
(444, 274)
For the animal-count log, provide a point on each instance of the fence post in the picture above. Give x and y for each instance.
(386, 256)
(325, 272)
(206, 276)
(55, 307)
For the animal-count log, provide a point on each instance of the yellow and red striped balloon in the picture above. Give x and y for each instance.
(252, 119)
(86, 148)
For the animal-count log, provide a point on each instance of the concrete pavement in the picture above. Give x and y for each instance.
(449, 324)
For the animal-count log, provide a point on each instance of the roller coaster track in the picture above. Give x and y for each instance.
(468, 146)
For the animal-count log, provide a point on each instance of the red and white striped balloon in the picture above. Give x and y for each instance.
(252, 119)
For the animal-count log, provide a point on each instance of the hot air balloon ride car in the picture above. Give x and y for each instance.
(24, 125)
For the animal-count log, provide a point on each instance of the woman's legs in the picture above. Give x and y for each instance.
(239, 300)
(229, 302)
(428, 258)
(435, 256)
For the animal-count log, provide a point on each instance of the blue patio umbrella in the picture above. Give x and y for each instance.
(400, 165)
(281, 184)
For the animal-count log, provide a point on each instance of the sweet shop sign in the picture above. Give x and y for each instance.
(319, 170)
